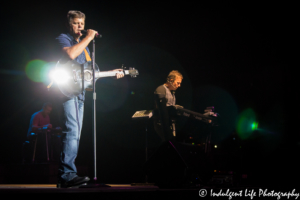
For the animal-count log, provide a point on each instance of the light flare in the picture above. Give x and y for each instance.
(59, 76)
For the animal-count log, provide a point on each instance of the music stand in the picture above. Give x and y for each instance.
(144, 115)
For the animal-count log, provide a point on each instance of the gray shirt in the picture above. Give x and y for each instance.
(164, 92)
(164, 126)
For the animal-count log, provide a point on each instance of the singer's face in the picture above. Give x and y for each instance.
(76, 26)
(177, 83)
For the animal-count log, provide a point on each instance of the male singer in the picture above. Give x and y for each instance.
(73, 48)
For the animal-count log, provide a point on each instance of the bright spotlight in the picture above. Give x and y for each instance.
(59, 76)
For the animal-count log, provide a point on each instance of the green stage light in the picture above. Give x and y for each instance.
(246, 123)
(38, 70)
(34, 69)
(254, 126)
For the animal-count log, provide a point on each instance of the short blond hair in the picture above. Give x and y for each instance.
(173, 75)
(72, 14)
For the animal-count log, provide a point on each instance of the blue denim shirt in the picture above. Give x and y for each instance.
(67, 40)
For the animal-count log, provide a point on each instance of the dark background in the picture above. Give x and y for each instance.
(230, 55)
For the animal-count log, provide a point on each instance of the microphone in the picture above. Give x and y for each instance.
(171, 84)
(84, 32)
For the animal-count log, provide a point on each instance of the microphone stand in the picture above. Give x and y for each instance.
(95, 184)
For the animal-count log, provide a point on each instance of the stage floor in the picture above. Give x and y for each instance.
(115, 186)
(111, 187)
(127, 191)
(115, 191)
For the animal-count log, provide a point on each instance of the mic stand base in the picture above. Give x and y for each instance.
(94, 185)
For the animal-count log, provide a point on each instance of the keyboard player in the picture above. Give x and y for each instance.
(164, 96)
(40, 124)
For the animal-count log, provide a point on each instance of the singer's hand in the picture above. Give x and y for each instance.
(119, 75)
(91, 33)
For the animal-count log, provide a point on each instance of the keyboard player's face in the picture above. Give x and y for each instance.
(177, 83)
(48, 110)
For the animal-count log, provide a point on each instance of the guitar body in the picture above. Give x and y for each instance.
(77, 77)
(73, 78)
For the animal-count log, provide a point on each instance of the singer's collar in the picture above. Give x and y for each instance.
(72, 38)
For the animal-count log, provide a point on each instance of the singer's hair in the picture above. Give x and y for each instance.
(74, 14)
(173, 75)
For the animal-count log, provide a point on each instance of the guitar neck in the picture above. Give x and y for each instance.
(110, 73)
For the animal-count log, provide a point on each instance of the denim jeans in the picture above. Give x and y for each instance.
(72, 124)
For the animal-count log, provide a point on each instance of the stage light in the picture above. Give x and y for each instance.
(34, 70)
(254, 126)
(246, 123)
(38, 70)
(59, 76)
(215, 146)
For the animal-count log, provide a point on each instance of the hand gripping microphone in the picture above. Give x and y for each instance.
(84, 32)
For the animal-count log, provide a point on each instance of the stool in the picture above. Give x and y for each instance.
(33, 139)
(38, 133)
(50, 138)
